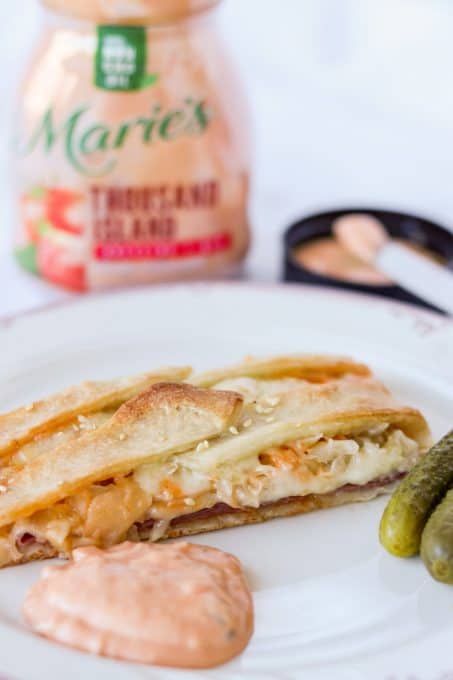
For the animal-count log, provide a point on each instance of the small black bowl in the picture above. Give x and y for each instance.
(400, 225)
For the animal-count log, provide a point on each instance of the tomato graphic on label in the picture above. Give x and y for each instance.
(59, 260)
(52, 243)
(61, 210)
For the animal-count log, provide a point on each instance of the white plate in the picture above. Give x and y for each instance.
(330, 603)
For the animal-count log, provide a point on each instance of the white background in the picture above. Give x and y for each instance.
(352, 100)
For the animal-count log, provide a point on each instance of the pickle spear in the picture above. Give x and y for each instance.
(416, 497)
(437, 541)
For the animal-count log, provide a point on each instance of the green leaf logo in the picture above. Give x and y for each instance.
(27, 258)
(37, 193)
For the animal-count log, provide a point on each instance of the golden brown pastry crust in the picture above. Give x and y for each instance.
(21, 425)
(221, 404)
(348, 405)
(335, 397)
(311, 367)
(166, 418)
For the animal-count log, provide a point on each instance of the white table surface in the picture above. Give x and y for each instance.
(352, 101)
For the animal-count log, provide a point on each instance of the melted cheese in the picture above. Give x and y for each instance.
(299, 468)
(104, 514)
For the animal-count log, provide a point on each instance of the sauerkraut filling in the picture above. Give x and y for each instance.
(109, 511)
(315, 466)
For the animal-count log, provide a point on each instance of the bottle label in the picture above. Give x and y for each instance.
(139, 173)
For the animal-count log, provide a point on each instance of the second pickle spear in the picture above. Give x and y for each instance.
(416, 497)
(437, 541)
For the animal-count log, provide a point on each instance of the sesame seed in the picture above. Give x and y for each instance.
(272, 401)
(75, 427)
(270, 419)
(189, 501)
(3, 488)
(234, 430)
(263, 409)
(85, 424)
(247, 422)
(202, 446)
(30, 407)
(122, 437)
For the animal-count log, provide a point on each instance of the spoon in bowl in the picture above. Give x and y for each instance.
(367, 238)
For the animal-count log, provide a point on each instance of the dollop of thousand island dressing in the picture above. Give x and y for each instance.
(181, 605)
